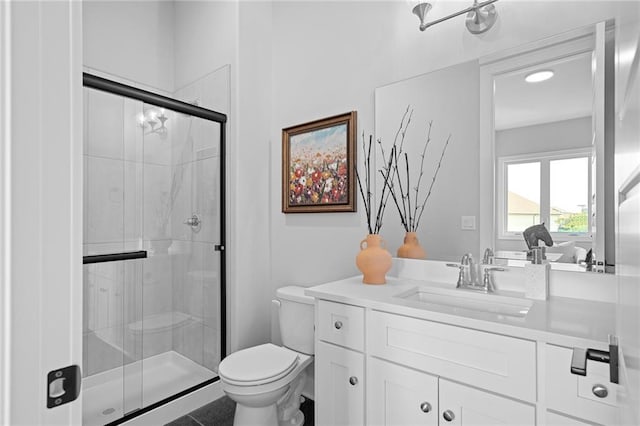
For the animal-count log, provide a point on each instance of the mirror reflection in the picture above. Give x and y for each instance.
(543, 160)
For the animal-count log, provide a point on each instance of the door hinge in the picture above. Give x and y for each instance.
(218, 247)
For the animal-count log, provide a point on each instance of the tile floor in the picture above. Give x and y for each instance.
(220, 413)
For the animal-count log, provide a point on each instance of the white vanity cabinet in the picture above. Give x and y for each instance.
(418, 391)
(381, 363)
(339, 377)
(398, 395)
(339, 364)
(574, 395)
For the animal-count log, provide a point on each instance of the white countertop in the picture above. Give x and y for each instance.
(560, 320)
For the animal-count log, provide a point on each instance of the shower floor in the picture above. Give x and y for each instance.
(109, 395)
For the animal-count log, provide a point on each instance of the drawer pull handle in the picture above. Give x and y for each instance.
(353, 380)
(337, 325)
(448, 415)
(425, 407)
(600, 391)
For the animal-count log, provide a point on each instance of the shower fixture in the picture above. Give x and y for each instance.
(480, 16)
(150, 119)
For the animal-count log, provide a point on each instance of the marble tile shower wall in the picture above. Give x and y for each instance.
(196, 284)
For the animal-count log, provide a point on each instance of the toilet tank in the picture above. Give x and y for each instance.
(296, 319)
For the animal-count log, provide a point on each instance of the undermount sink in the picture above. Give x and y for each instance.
(470, 300)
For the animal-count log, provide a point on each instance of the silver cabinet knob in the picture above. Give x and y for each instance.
(425, 407)
(337, 325)
(448, 415)
(353, 380)
(600, 391)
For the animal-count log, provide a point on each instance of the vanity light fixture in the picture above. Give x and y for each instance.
(480, 16)
(538, 76)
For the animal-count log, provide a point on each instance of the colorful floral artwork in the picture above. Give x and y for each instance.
(317, 173)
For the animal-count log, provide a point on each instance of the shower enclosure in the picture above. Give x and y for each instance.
(154, 264)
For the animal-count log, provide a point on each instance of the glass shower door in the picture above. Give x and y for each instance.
(152, 222)
(113, 194)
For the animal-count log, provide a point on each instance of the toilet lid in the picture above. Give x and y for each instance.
(257, 365)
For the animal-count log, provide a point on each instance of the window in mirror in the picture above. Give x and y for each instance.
(551, 187)
(523, 196)
(569, 195)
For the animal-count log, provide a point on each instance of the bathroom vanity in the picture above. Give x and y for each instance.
(418, 352)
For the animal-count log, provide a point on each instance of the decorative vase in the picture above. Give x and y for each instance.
(374, 261)
(411, 249)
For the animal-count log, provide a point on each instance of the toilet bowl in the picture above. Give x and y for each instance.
(266, 381)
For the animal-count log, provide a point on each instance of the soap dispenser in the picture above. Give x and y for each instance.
(536, 276)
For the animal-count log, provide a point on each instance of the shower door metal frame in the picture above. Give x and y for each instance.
(99, 83)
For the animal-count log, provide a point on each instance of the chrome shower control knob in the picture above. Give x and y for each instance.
(353, 380)
(600, 391)
(193, 221)
(448, 415)
(425, 407)
(337, 325)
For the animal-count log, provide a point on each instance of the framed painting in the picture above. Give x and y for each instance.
(317, 166)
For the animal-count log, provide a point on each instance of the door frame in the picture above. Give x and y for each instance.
(40, 206)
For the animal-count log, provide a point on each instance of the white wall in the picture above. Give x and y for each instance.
(556, 136)
(328, 57)
(293, 62)
(449, 99)
(130, 39)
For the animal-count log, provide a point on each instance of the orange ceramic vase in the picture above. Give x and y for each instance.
(373, 260)
(411, 249)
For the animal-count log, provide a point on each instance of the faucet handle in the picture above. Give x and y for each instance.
(487, 282)
(460, 282)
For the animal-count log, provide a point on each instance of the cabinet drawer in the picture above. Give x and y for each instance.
(572, 394)
(501, 364)
(341, 324)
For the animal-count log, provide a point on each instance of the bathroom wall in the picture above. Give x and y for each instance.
(130, 39)
(293, 62)
(556, 136)
(330, 56)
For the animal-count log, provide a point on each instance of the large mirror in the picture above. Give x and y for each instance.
(522, 150)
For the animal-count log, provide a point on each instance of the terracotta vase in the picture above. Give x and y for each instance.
(374, 261)
(411, 249)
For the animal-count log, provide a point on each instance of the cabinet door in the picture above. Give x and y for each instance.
(340, 384)
(462, 405)
(398, 396)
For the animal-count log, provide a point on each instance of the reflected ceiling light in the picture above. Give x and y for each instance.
(538, 76)
(480, 16)
(150, 119)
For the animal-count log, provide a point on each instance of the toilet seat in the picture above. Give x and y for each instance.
(258, 365)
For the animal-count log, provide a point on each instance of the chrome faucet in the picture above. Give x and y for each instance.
(468, 275)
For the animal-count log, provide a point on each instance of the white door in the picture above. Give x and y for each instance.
(40, 208)
(627, 179)
(340, 385)
(398, 396)
(462, 405)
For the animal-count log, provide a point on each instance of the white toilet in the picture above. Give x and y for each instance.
(266, 381)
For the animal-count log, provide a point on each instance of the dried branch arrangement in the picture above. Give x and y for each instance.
(364, 184)
(408, 199)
